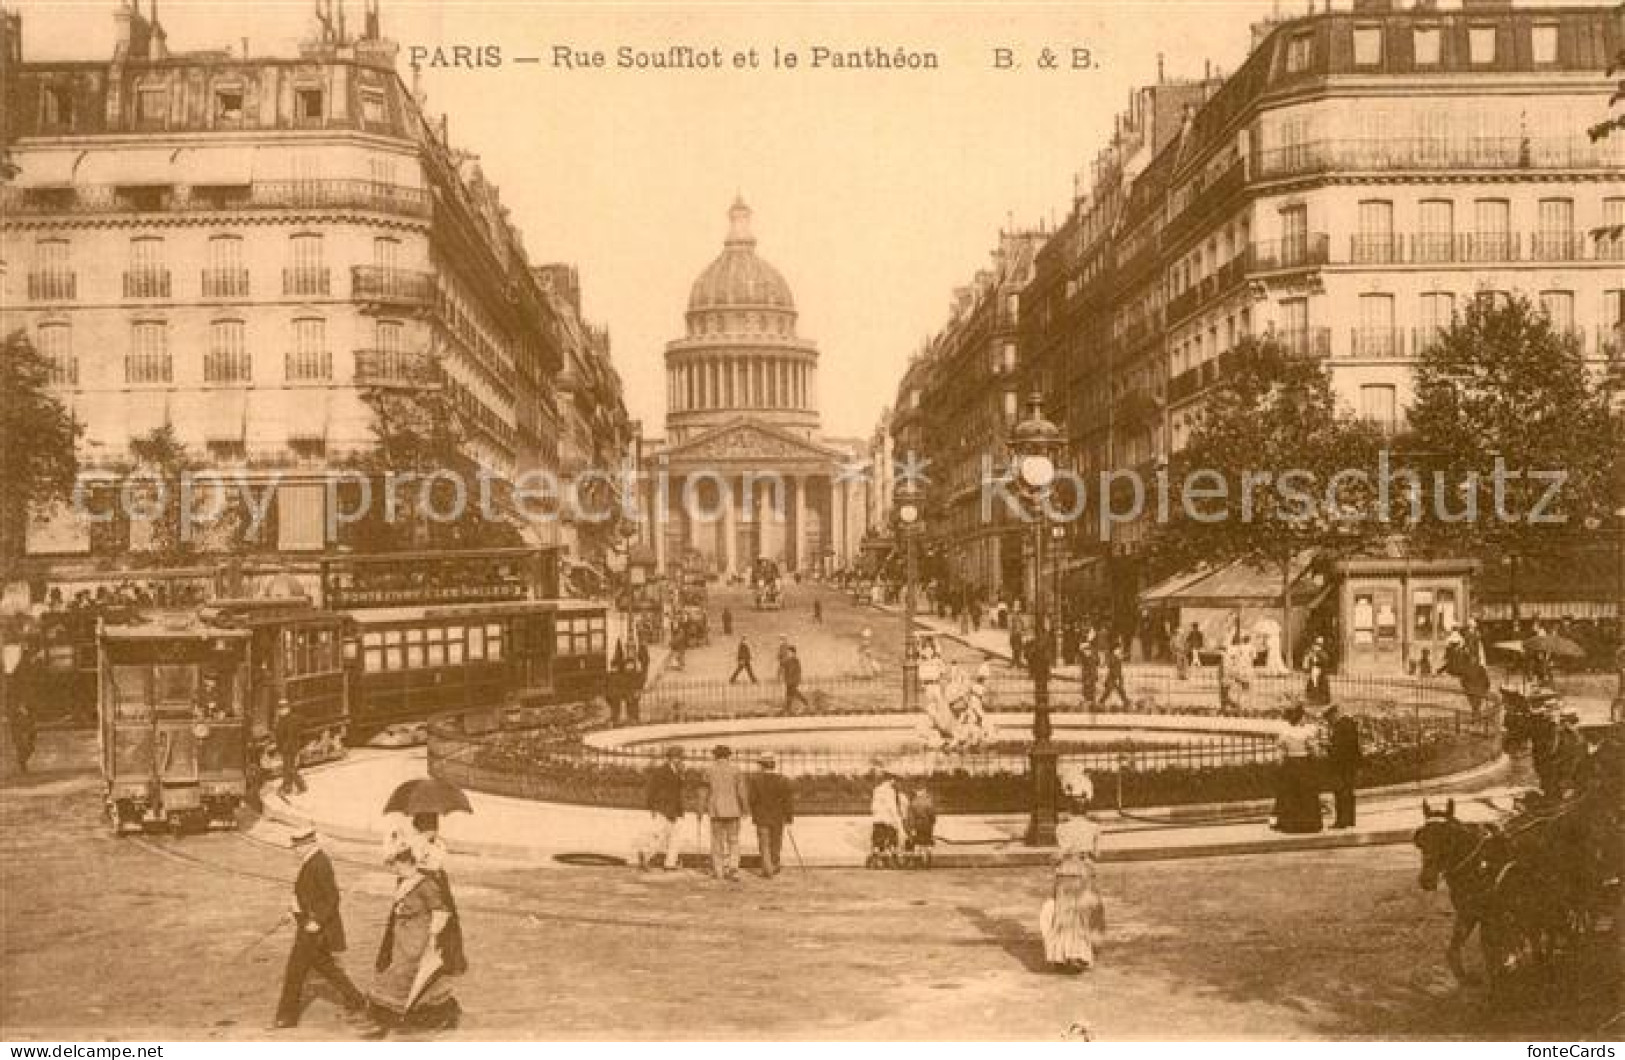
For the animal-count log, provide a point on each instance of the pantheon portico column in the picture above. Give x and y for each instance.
(730, 536)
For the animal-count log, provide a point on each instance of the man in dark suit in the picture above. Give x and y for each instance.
(742, 659)
(772, 807)
(1342, 763)
(792, 681)
(290, 739)
(318, 933)
(663, 798)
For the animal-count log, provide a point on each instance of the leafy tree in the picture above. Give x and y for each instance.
(38, 465)
(1273, 438)
(1612, 124)
(1501, 386)
(421, 443)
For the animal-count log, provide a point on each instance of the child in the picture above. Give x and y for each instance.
(922, 826)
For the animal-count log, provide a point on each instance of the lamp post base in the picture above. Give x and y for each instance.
(1041, 763)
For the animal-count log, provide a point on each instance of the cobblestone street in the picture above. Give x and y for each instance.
(120, 938)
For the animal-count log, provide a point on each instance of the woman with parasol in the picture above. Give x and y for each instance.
(423, 940)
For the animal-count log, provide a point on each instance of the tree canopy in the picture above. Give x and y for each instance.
(38, 465)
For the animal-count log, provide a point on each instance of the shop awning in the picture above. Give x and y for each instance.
(46, 169)
(1237, 585)
(134, 167)
(307, 416)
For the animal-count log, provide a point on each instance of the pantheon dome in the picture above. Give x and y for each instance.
(740, 355)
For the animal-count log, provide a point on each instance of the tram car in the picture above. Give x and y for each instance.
(298, 657)
(412, 663)
(173, 695)
(63, 679)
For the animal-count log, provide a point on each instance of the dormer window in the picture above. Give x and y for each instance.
(1298, 52)
(1543, 40)
(58, 104)
(372, 106)
(1367, 45)
(1425, 45)
(228, 104)
(151, 105)
(308, 104)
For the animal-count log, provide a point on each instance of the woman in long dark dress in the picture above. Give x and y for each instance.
(1297, 798)
(421, 949)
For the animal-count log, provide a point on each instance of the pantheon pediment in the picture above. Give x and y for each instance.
(749, 442)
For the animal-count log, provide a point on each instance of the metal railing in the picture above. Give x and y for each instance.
(224, 283)
(307, 281)
(146, 369)
(53, 286)
(392, 368)
(227, 366)
(1294, 252)
(1377, 342)
(1465, 247)
(264, 195)
(1428, 153)
(375, 283)
(62, 371)
(1305, 342)
(1376, 249)
(1558, 246)
(308, 366)
(146, 283)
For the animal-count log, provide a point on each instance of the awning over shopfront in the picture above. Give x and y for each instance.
(1582, 583)
(1222, 600)
(46, 169)
(129, 168)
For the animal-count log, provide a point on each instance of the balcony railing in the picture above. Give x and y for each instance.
(262, 195)
(1376, 249)
(1377, 342)
(227, 366)
(53, 286)
(146, 283)
(374, 283)
(1429, 248)
(1558, 246)
(62, 371)
(307, 281)
(1305, 342)
(1296, 252)
(225, 283)
(308, 366)
(1431, 153)
(148, 369)
(392, 368)
(1424, 339)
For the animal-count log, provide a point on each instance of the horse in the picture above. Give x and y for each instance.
(1510, 901)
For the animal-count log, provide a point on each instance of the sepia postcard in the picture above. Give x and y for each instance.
(895, 521)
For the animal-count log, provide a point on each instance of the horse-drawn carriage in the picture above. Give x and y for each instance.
(769, 597)
(1542, 887)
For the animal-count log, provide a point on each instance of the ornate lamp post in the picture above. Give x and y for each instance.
(909, 499)
(1034, 443)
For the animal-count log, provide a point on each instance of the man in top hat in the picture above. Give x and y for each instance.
(772, 808)
(1342, 763)
(318, 933)
(663, 797)
(289, 737)
(726, 800)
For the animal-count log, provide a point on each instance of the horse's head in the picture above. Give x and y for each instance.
(1440, 841)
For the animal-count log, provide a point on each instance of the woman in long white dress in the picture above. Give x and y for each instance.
(1073, 918)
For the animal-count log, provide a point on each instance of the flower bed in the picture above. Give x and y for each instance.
(547, 761)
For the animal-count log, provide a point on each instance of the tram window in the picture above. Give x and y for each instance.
(393, 658)
(130, 693)
(599, 644)
(175, 688)
(476, 643)
(325, 660)
(454, 651)
(372, 659)
(561, 640)
(437, 646)
(493, 641)
(60, 657)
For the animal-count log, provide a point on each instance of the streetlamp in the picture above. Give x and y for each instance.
(908, 497)
(1034, 443)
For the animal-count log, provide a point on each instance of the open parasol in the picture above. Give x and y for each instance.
(1550, 643)
(427, 795)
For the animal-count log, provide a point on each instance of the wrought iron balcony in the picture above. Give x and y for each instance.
(225, 283)
(374, 283)
(262, 195)
(53, 286)
(1464, 247)
(393, 368)
(1305, 342)
(1295, 252)
(1383, 248)
(146, 369)
(307, 281)
(308, 366)
(146, 283)
(1377, 342)
(1558, 246)
(227, 366)
(1433, 153)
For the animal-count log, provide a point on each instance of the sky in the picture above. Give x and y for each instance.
(875, 193)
